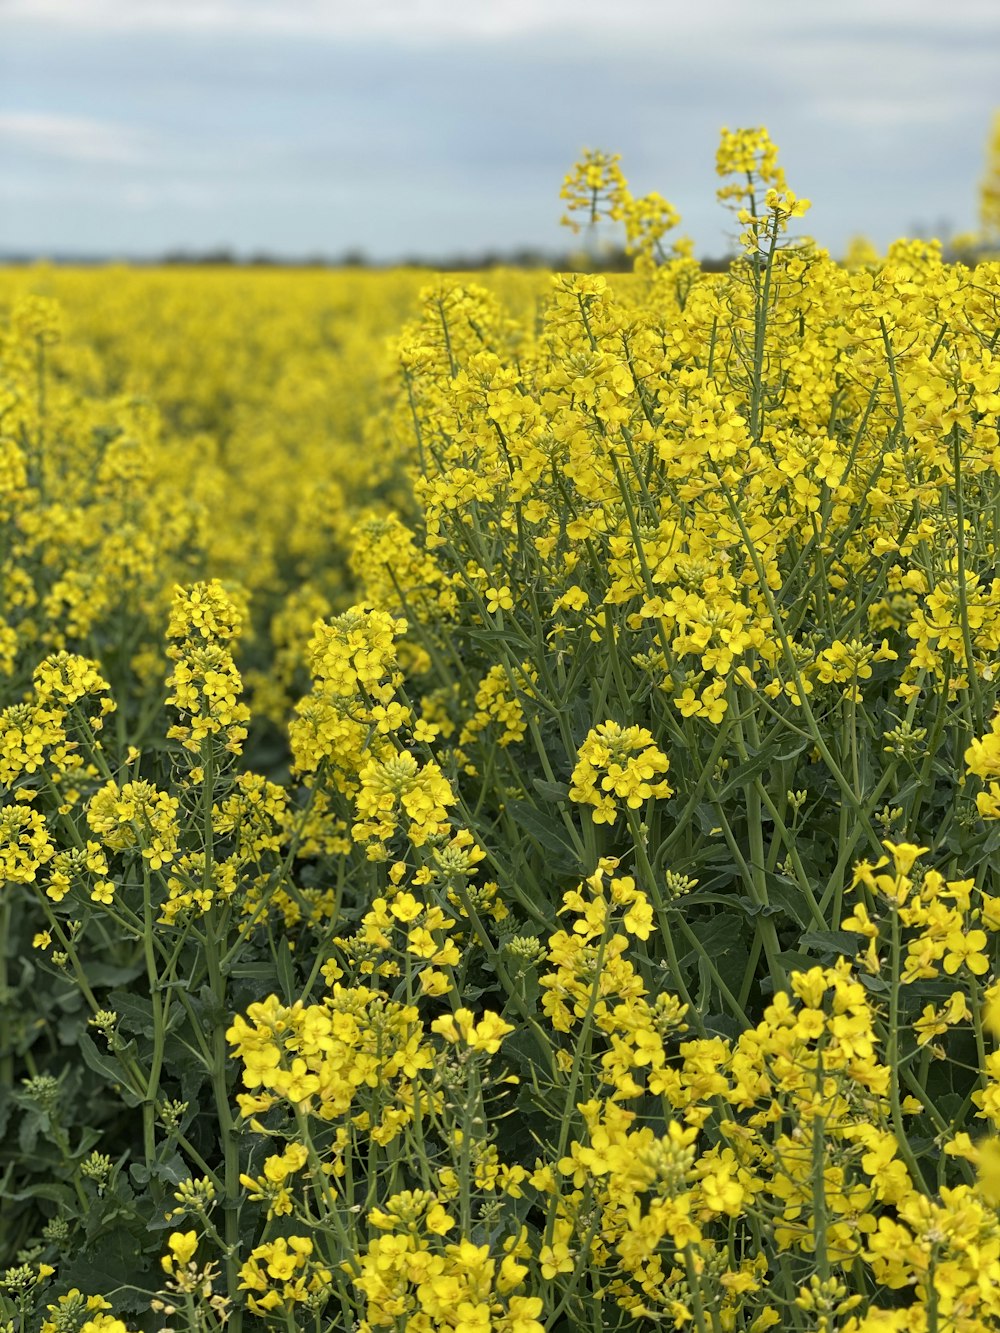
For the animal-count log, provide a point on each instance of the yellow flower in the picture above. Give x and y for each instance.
(103, 891)
(182, 1245)
(461, 1027)
(966, 947)
(499, 599)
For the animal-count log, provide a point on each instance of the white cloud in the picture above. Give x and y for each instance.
(887, 113)
(186, 195)
(621, 24)
(73, 138)
(346, 18)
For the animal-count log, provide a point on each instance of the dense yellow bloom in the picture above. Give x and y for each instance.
(25, 845)
(326, 1056)
(399, 792)
(615, 764)
(486, 1035)
(137, 815)
(518, 1040)
(282, 1274)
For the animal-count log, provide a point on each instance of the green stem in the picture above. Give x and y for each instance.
(159, 1021)
(892, 1057)
(227, 1127)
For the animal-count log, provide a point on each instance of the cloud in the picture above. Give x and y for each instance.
(433, 125)
(187, 195)
(627, 23)
(77, 139)
(438, 19)
(887, 114)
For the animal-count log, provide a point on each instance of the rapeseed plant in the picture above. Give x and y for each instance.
(541, 874)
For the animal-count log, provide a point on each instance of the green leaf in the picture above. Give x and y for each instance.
(760, 762)
(522, 1052)
(172, 1171)
(793, 960)
(544, 830)
(707, 819)
(116, 1264)
(751, 910)
(286, 970)
(105, 1064)
(786, 894)
(106, 974)
(135, 1012)
(878, 985)
(719, 933)
(833, 943)
(46, 1189)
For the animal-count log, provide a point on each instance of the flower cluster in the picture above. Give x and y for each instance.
(205, 684)
(618, 764)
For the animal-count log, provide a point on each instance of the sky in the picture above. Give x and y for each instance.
(433, 127)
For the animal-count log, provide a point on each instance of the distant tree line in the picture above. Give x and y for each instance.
(613, 260)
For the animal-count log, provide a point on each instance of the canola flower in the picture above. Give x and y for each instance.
(539, 876)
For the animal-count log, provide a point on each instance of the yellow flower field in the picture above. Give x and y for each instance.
(500, 790)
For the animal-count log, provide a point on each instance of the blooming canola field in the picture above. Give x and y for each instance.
(500, 790)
